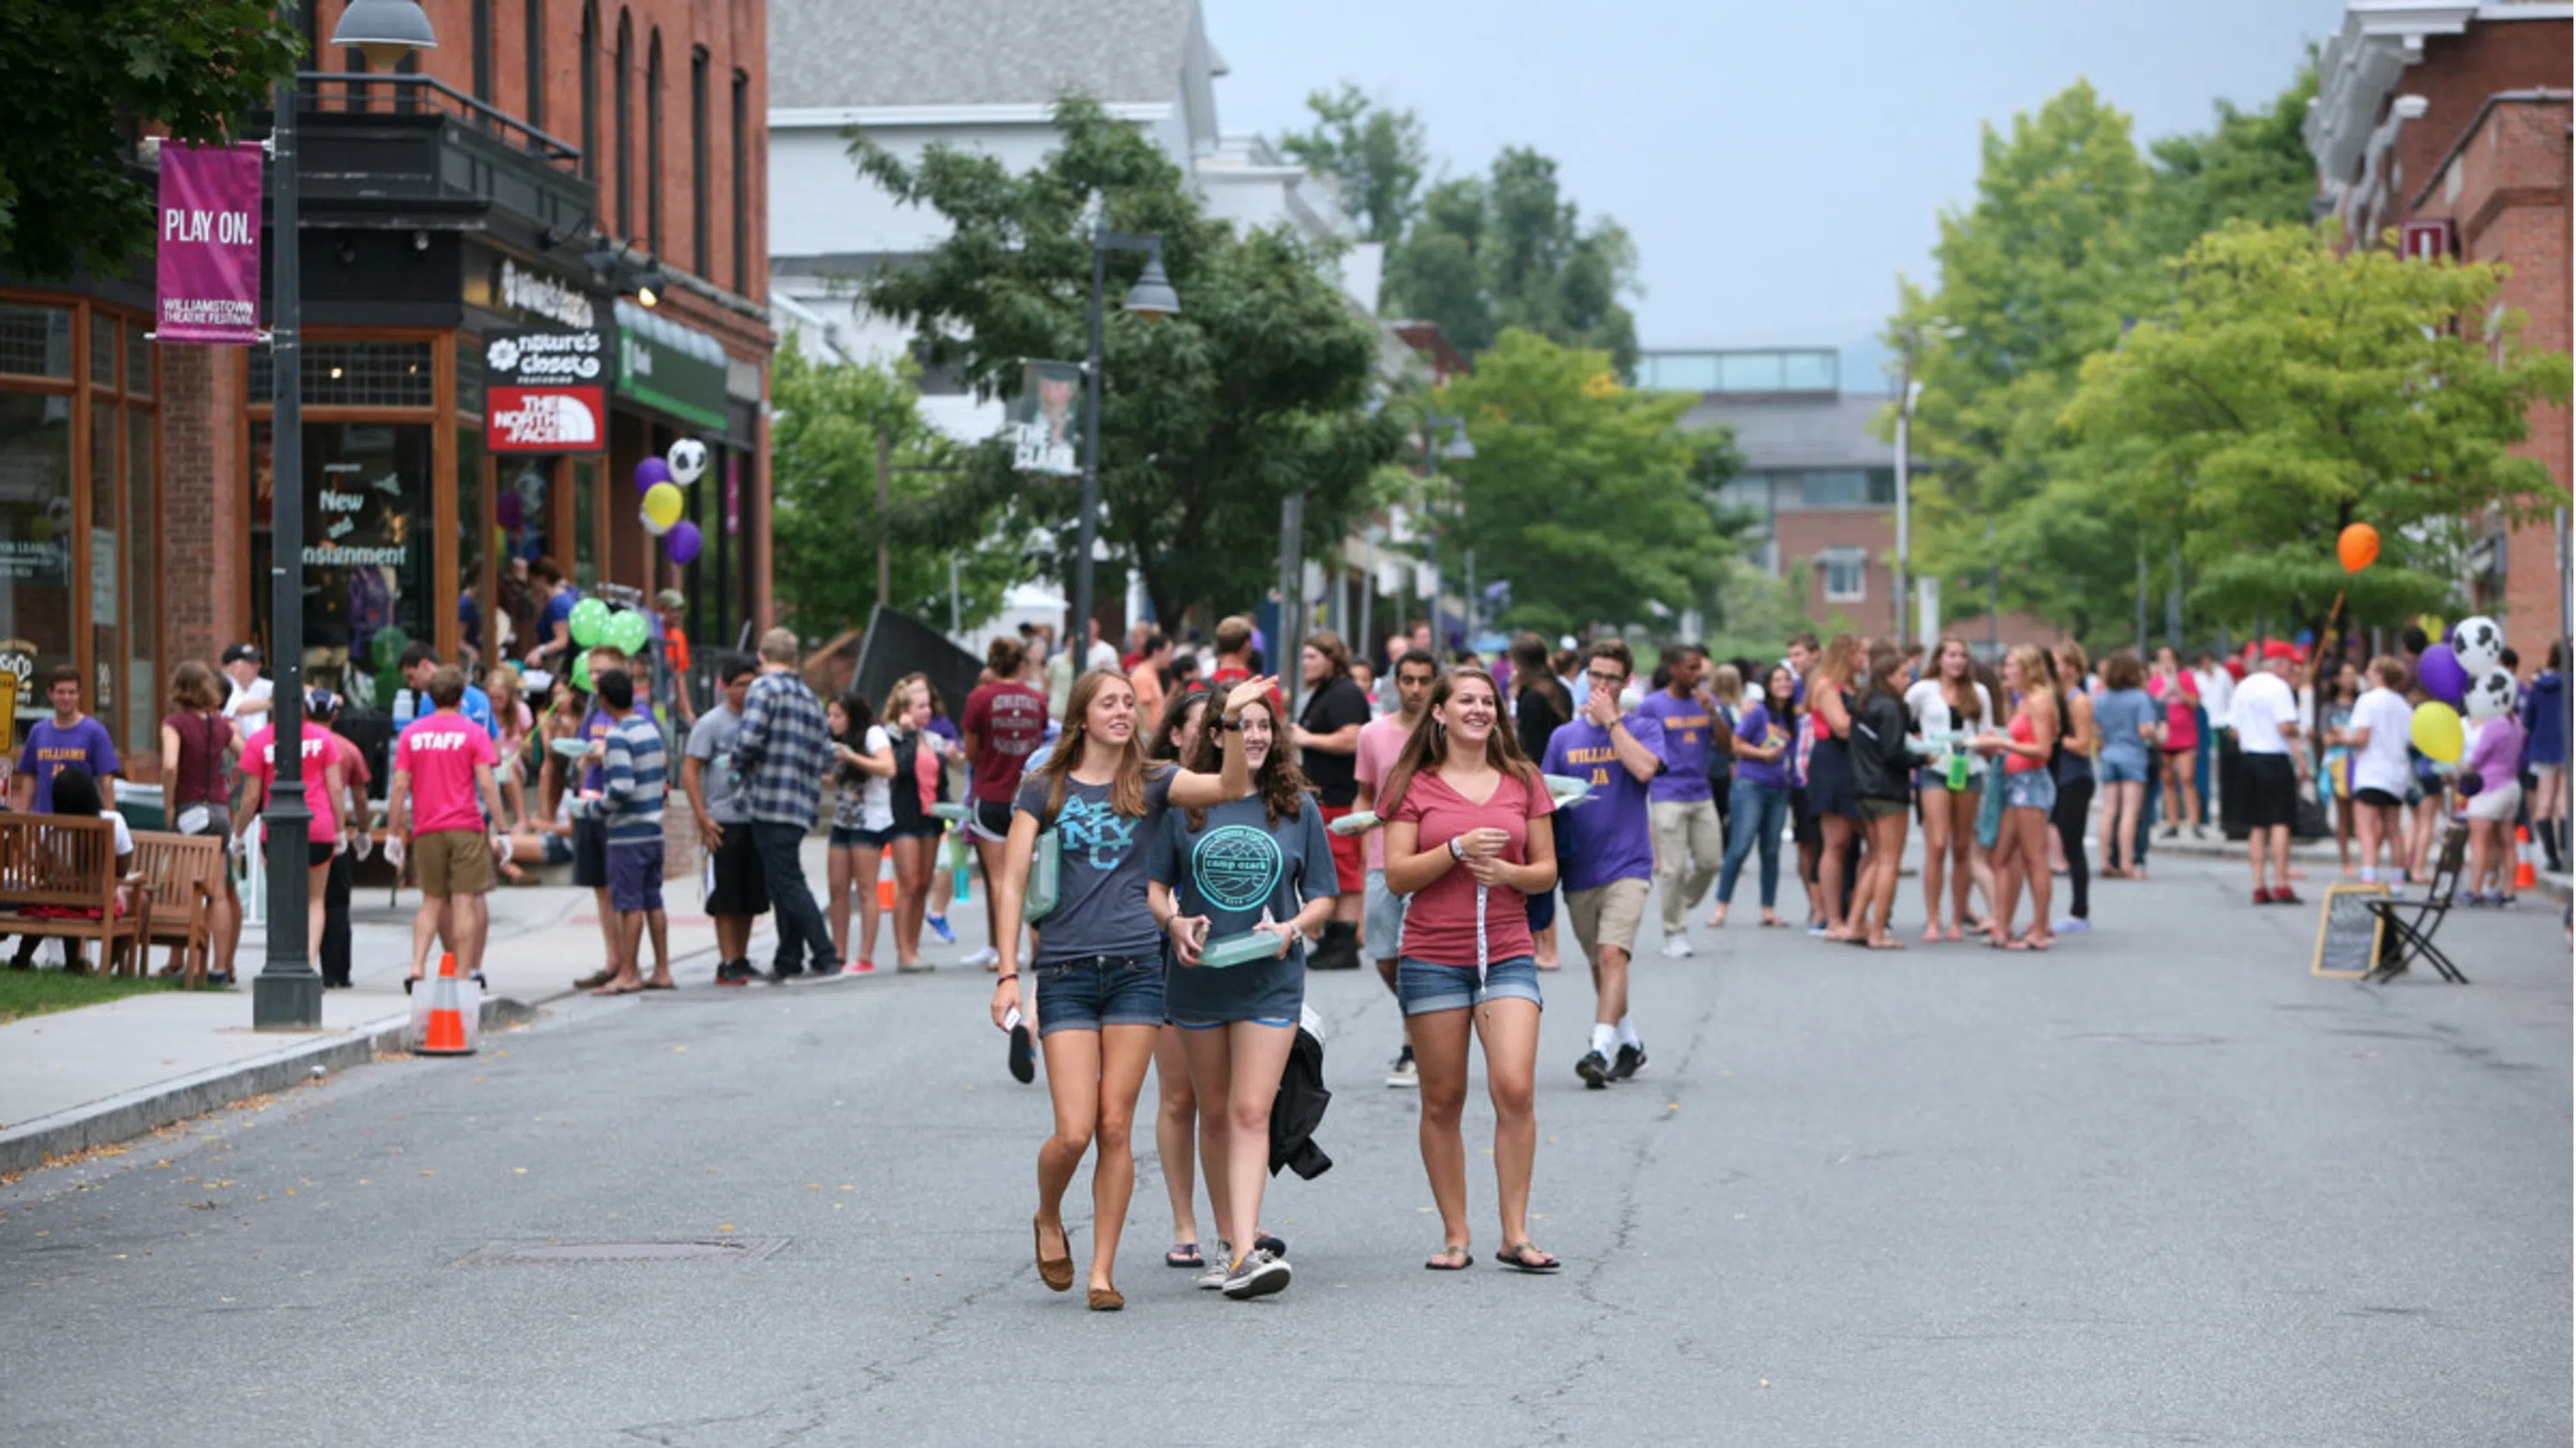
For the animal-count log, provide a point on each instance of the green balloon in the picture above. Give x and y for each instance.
(581, 672)
(589, 622)
(627, 633)
(387, 646)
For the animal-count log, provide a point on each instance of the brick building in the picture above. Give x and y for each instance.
(2447, 124)
(550, 165)
(1821, 487)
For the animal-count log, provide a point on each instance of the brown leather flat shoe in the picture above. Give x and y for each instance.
(1106, 1299)
(1055, 1272)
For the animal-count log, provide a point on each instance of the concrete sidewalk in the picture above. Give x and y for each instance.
(82, 1078)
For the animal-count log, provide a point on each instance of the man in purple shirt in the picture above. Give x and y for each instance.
(1690, 844)
(70, 737)
(1608, 846)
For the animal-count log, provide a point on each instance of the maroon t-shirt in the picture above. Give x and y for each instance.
(1010, 720)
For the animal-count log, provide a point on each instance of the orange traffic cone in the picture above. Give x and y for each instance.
(446, 1034)
(2524, 876)
(885, 882)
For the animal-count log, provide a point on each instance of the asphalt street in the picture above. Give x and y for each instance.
(2157, 1186)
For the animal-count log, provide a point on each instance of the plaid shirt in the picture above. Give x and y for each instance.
(783, 729)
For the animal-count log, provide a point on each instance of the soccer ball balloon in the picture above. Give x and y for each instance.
(2479, 643)
(2491, 697)
(688, 459)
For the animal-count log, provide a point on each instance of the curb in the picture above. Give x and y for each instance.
(2309, 852)
(130, 1114)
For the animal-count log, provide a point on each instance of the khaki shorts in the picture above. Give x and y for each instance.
(452, 862)
(1607, 915)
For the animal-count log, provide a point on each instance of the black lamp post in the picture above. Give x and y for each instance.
(1152, 298)
(286, 995)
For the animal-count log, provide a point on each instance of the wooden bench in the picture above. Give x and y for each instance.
(60, 862)
(183, 877)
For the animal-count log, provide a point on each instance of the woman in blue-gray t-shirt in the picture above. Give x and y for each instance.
(2130, 724)
(1099, 964)
(1260, 865)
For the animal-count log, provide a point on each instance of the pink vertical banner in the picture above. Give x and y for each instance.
(209, 243)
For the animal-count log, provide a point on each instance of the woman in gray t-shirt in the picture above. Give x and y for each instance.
(1098, 964)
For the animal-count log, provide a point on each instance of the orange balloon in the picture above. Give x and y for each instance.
(2358, 547)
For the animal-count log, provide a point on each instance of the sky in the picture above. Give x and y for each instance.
(1777, 164)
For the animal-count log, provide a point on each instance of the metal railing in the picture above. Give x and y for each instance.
(361, 92)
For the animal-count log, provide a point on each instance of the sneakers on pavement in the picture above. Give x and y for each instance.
(1258, 1275)
(1401, 1074)
(1594, 1068)
(939, 926)
(782, 973)
(1677, 948)
(860, 967)
(2262, 897)
(982, 958)
(1217, 1271)
(2287, 896)
(1629, 1059)
(2072, 926)
(736, 972)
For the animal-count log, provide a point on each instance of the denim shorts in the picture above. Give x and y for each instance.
(1382, 926)
(1421, 987)
(849, 837)
(2112, 769)
(2030, 789)
(1099, 990)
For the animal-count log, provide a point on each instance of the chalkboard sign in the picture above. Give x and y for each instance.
(2348, 931)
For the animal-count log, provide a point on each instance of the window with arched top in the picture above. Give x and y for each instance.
(533, 42)
(699, 261)
(479, 23)
(589, 60)
(621, 88)
(737, 182)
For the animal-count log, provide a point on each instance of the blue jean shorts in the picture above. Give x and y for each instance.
(1421, 987)
(1099, 990)
(2112, 769)
(1382, 926)
(2030, 789)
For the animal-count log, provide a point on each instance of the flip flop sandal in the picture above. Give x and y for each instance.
(1527, 1258)
(1439, 1262)
(1184, 1254)
(661, 985)
(595, 980)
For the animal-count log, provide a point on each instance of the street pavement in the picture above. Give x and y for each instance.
(2158, 1185)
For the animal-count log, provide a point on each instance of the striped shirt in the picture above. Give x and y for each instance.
(631, 787)
(789, 746)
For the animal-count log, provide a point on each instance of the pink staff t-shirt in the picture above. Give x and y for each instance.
(321, 750)
(439, 752)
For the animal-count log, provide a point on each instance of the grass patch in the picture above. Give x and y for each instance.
(37, 992)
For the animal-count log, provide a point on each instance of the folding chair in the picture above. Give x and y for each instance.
(2407, 939)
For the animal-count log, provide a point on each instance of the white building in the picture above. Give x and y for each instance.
(986, 75)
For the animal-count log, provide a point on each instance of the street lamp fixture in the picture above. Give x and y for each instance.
(384, 31)
(286, 995)
(1153, 299)
(650, 284)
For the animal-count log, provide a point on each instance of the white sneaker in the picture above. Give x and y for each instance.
(1214, 1277)
(1677, 948)
(984, 957)
(1261, 1275)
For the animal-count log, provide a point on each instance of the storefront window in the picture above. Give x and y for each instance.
(472, 540)
(521, 511)
(142, 679)
(367, 586)
(103, 555)
(35, 341)
(35, 520)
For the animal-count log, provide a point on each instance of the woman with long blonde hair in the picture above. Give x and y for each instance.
(1459, 805)
(1829, 784)
(1099, 960)
(2030, 792)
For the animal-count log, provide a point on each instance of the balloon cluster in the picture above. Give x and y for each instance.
(660, 481)
(596, 625)
(2462, 676)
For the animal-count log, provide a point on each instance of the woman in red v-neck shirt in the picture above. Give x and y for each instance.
(1458, 806)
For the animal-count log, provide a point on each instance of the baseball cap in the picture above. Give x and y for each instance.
(671, 598)
(234, 653)
(320, 702)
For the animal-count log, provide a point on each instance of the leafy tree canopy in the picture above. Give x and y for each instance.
(2253, 166)
(1587, 496)
(1374, 154)
(2293, 391)
(1258, 389)
(81, 81)
(823, 468)
(1507, 249)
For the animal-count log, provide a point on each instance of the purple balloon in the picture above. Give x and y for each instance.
(508, 511)
(649, 472)
(2442, 675)
(682, 543)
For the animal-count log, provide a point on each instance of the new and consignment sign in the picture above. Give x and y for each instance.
(545, 391)
(209, 244)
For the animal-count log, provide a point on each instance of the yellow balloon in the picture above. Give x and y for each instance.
(2437, 731)
(662, 504)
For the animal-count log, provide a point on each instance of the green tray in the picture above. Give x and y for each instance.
(1357, 822)
(1566, 788)
(1244, 949)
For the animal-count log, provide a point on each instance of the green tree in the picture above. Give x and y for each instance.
(2036, 275)
(2294, 390)
(823, 460)
(1258, 389)
(1375, 155)
(1509, 250)
(79, 85)
(1583, 494)
(2252, 166)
